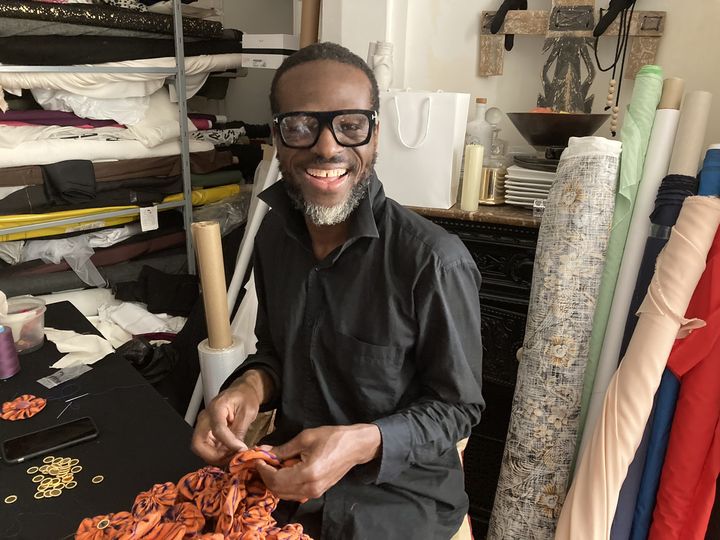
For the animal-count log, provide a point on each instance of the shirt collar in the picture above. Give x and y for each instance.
(362, 221)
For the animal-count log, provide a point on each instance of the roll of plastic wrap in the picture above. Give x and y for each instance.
(217, 364)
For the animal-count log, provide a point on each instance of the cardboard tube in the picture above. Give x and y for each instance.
(672, 93)
(309, 22)
(690, 137)
(206, 235)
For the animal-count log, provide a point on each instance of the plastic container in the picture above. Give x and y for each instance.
(26, 318)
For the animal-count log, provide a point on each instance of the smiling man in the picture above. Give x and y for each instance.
(368, 327)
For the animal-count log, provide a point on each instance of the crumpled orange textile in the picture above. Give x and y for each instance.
(208, 504)
(23, 407)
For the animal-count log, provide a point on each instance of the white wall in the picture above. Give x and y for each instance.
(247, 97)
(441, 51)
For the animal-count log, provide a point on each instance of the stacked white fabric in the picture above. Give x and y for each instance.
(524, 186)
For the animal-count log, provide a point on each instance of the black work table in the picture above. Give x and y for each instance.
(142, 441)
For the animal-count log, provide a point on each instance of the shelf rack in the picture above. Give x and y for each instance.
(179, 75)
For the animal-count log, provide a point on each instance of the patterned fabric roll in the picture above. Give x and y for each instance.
(545, 414)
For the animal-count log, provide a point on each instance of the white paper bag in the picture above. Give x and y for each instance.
(421, 144)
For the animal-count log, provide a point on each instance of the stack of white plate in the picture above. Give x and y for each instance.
(524, 186)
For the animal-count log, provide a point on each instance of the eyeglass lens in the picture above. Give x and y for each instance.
(302, 130)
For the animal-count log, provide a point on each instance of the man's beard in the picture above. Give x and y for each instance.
(329, 215)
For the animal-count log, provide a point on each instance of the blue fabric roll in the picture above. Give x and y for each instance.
(710, 173)
(665, 400)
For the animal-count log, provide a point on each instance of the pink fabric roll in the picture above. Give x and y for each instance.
(590, 504)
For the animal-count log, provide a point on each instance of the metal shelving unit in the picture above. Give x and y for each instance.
(179, 74)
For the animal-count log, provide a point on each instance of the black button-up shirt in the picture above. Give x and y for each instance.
(384, 330)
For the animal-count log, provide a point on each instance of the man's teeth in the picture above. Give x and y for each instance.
(322, 173)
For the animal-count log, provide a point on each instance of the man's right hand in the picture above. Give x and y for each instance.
(220, 429)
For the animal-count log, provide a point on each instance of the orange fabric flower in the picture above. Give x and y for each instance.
(188, 515)
(22, 407)
(160, 498)
(106, 527)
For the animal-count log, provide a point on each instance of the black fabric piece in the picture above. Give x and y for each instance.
(163, 293)
(159, 184)
(249, 157)
(673, 191)
(107, 16)
(153, 363)
(29, 200)
(68, 50)
(69, 182)
(383, 330)
(214, 88)
(34, 200)
(713, 531)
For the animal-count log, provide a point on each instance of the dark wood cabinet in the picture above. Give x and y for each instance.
(504, 253)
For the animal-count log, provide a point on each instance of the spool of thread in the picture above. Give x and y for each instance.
(9, 361)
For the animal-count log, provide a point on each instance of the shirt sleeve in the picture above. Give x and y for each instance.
(265, 358)
(449, 364)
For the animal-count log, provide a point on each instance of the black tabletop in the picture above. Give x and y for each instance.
(142, 441)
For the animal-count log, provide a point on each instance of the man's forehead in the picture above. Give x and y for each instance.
(325, 79)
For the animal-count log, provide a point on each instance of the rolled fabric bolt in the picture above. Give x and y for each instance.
(690, 133)
(206, 235)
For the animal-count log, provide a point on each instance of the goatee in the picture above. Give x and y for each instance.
(328, 215)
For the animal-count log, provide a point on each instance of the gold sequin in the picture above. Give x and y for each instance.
(71, 485)
(32, 470)
(48, 459)
(39, 495)
(74, 462)
(97, 479)
(10, 499)
(55, 492)
(38, 478)
(103, 524)
(76, 469)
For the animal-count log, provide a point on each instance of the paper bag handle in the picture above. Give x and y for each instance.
(427, 125)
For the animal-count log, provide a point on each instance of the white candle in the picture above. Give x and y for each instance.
(472, 176)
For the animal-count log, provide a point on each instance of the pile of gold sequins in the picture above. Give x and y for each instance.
(55, 475)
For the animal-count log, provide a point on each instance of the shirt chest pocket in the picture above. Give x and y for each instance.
(362, 380)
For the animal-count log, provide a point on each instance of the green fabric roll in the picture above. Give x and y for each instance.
(635, 136)
(217, 178)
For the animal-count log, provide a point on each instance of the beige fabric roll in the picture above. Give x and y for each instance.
(590, 504)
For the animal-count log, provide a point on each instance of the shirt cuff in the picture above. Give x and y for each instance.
(394, 459)
(269, 365)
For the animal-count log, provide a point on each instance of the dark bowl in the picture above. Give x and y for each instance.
(554, 129)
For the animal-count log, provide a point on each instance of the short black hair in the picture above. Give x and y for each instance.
(324, 51)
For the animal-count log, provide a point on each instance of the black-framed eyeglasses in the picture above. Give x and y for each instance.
(350, 127)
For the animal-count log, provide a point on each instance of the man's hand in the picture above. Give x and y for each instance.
(326, 454)
(221, 428)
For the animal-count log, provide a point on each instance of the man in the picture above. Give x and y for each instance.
(368, 327)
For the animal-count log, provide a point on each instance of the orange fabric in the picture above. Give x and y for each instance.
(208, 504)
(23, 407)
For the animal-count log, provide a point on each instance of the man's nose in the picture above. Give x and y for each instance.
(326, 145)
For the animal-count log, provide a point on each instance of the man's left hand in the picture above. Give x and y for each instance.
(326, 454)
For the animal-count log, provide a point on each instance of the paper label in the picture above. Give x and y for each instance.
(148, 218)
